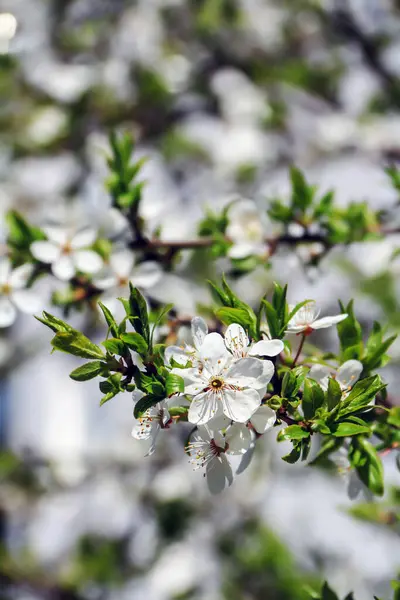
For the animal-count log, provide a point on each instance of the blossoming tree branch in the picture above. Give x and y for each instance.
(242, 371)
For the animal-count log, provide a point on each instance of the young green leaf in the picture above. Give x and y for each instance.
(77, 344)
(138, 313)
(292, 432)
(114, 346)
(333, 394)
(174, 384)
(55, 324)
(313, 398)
(87, 371)
(111, 322)
(346, 429)
(135, 341)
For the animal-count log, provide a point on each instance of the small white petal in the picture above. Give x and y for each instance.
(122, 263)
(87, 261)
(180, 355)
(46, 252)
(243, 250)
(267, 348)
(203, 408)
(328, 321)
(349, 373)
(320, 373)
(244, 371)
(239, 405)
(58, 235)
(63, 268)
(83, 238)
(20, 276)
(26, 301)
(146, 274)
(8, 312)
(213, 352)
(238, 438)
(5, 270)
(219, 474)
(105, 281)
(263, 419)
(296, 328)
(236, 340)
(199, 331)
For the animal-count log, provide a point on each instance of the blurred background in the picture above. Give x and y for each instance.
(222, 95)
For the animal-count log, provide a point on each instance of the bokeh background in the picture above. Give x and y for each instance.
(222, 95)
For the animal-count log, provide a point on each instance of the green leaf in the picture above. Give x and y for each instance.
(272, 319)
(218, 294)
(144, 404)
(111, 322)
(292, 432)
(138, 313)
(294, 455)
(114, 346)
(394, 416)
(373, 359)
(333, 394)
(136, 342)
(327, 593)
(329, 445)
(234, 315)
(20, 233)
(176, 411)
(350, 333)
(313, 398)
(77, 344)
(360, 396)
(364, 457)
(87, 371)
(55, 324)
(346, 429)
(108, 397)
(174, 384)
(302, 193)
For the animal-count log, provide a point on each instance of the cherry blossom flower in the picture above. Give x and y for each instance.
(188, 353)
(148, 426)
(246, 230)
(120, 271)
(347, 375)
(263, 419)
(13, 292)
(222, 384)
(306, 319)
(68, 251)
(210, 449)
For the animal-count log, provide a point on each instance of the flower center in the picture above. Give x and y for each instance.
(5, 289)
(216, 383)
(67, 248)
(123, 281)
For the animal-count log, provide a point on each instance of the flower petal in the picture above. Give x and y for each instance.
(105, 281)
(320, 373)
(87, 261)
(214, 353)
(46, 252)
(63, 268)
(238, 438)
(263, 419)
(349, 373)
(20, 276)
(27, 301)
(83, 238)
(122, 263)
(5, 269)
(204, 407)
(146, 274)
(236, 340)
(267, 348)
(245, 371)
(57, 235)
(199, 331)
(296, 328)
(328, 321)
(239, 405)
(219, 474)
(8, 312)
(243, 250)
(180, 355)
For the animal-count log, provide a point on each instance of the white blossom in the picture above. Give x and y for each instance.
(68, 251)
(211, 449)
(148, 426)
(350, 476)
(263, 419)
(222, 384)
(188, 353)
(246, 230)
(13, 292)
(121, 270)
(306, 319)
(347, 375)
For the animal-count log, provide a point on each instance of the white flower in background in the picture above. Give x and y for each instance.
(68, 251)
(149, 425)
(8, 29)
(354, 484)
(120, 271)
(306, 319)
(183, 355)
(222, 385)
(346, 376)
(246, 230)
(263, 419)
(210, 448)
(13, 292)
